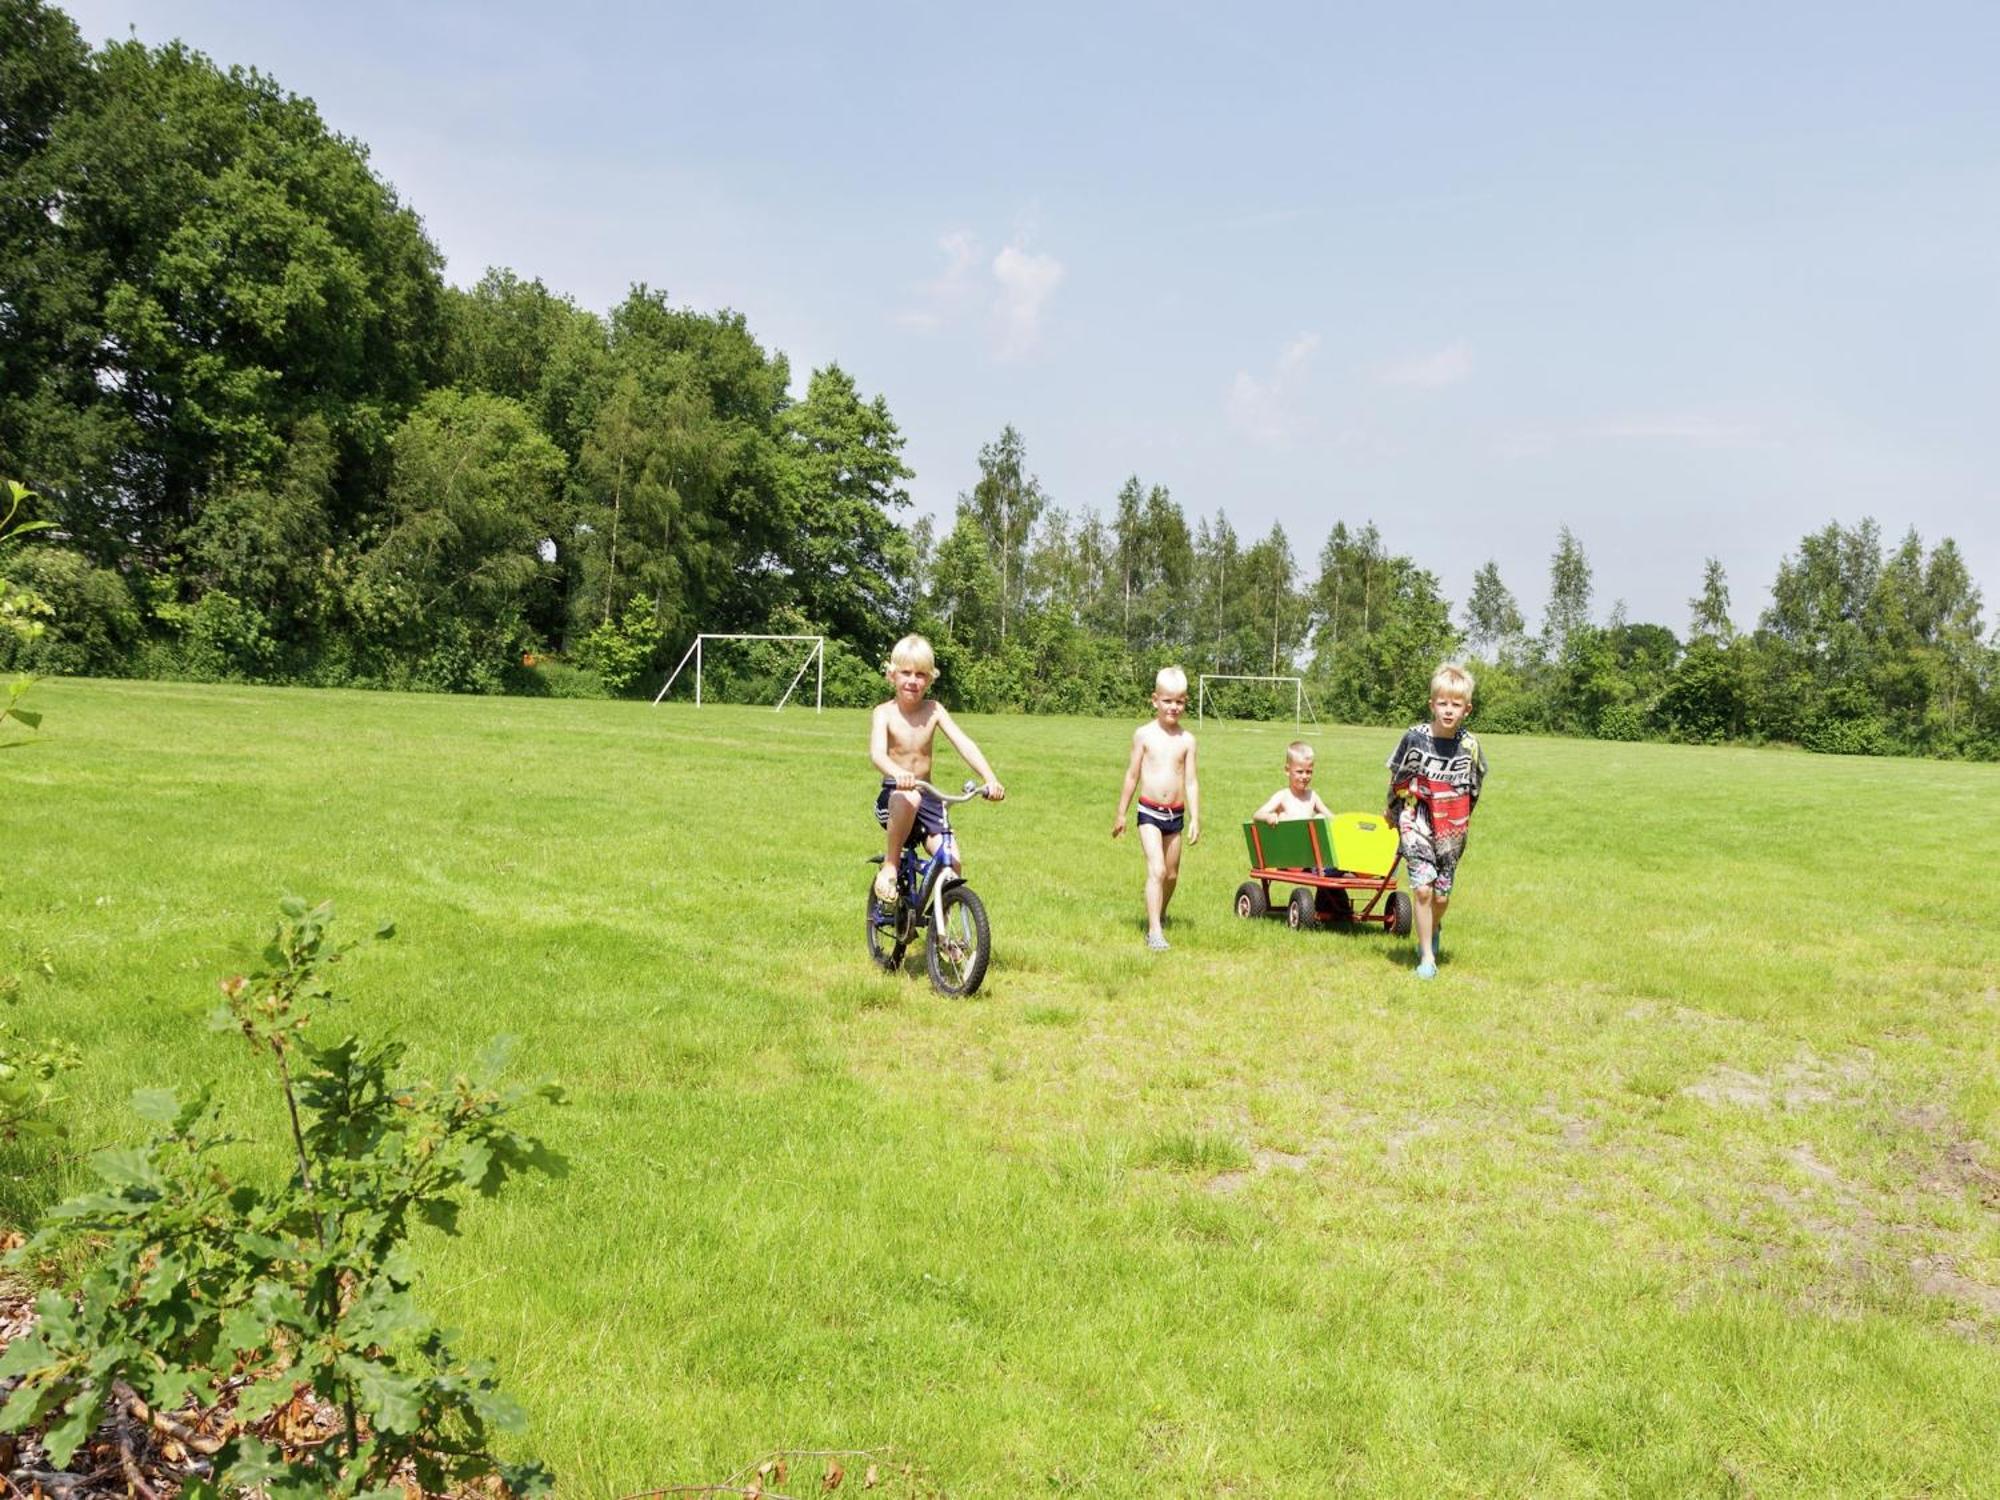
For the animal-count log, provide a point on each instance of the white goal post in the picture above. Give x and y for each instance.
(1301, 705)
(816, 655)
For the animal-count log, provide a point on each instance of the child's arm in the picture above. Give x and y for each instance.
(962, 743)
(1193, 797)
(1397, 803)
(1268, 813)
(1320, 808)
(1131, 779)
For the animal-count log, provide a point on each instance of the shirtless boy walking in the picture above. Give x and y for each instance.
(1162, 771)
(899, 742)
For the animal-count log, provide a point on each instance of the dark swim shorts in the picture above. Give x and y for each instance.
(930, 812)
(1168, 817)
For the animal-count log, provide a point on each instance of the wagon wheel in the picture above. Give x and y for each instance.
(1299, 913)
(1251, 901)
(1335, 908)
(1401, 914)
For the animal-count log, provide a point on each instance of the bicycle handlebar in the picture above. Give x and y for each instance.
(972, 789)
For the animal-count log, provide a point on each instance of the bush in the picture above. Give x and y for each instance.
(220, 639)
(1839, 735)
(91, 622)
(618, 651)
(553, 679)
(1622, 721)
(206, 1288)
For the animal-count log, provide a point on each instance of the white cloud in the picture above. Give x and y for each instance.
(1011, 293)
(1451, 365)
(1261, 408)
(944, 297)
(1027, 281)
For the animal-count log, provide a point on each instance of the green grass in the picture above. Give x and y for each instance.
(1683, 1178)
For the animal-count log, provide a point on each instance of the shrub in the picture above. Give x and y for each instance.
(221, 639)
(555, 679)
(618, 651)
(202, 1284)
(93, 623)
(1622, 721)
(1835, 734)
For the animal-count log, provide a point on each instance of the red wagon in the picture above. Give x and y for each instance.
(1329, 863)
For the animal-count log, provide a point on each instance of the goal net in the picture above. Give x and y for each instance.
(1233, 695)
(767, 667)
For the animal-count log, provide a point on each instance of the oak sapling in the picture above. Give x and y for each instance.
(301, 1293)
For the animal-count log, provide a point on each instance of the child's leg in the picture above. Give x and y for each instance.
(1440, 899)
(1153, 843)
(1426, 904)
(1170, 848)
(902, 811)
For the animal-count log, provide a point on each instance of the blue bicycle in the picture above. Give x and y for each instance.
(930, 894)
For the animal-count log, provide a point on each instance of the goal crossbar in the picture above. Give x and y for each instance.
(1302, 707)
(694, 654)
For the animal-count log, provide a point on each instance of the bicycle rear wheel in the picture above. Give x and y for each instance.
(885, 945)
(960, 944)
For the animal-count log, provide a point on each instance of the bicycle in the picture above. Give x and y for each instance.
(929, 894)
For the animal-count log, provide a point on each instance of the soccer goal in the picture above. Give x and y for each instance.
(815, 657)
(1302, 708)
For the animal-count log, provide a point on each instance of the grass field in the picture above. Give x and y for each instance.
(1683, 1178)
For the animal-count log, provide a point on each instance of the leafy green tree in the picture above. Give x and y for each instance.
(1705, 698)
(237, 267)
(713, 549)
(843, 552)
(626, 469)
(1710, 608)
(1128, 530)
(1493, 622)
(1568, 610)
(1382, 676)
(1165, 617)
(267, 540)
(1217, 564)
(1006, 501)
(965, 587)
(473, 507)
(1355, 576)
(1270, 576)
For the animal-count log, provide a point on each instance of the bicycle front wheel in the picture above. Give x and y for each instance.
(960, 943)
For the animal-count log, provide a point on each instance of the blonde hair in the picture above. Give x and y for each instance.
(1298, 750)
(1452, 680)
(1171, 681)
(913, 654)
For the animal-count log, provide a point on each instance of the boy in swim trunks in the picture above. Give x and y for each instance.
(1162, 772)
(1434, 780)
(899, 742)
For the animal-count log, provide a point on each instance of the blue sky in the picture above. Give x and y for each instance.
(1692, 280)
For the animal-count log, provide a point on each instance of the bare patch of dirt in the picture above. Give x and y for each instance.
(1938, 1276)
(1860, 1244)
(1573, 1131)
(1793, 1085)
(1262, 1160)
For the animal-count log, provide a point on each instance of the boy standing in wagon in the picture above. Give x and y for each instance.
(1434, 780)
(1162, 772)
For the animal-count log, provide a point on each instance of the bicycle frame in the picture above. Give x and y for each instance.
(923, 890)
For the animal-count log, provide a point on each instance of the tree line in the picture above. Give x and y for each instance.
(276, 445)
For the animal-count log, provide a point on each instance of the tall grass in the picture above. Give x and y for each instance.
(1682, 1178)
